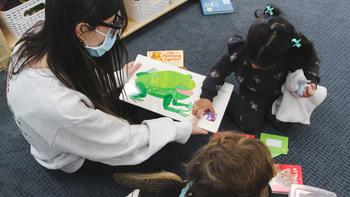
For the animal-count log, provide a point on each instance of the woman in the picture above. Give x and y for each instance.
(64, 81)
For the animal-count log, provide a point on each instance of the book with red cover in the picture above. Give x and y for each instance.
(286, 176)
(247, 135)
(241, 134)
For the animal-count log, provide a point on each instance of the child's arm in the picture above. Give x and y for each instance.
(311, 73)
(217, 75)
(216, 78)
(211, 85)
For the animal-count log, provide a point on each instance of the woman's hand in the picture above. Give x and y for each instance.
(201, 106)
(131, 68)
(310, 90)
(196, 130)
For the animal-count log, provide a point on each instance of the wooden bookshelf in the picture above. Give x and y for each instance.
(134, 26)
(131, 28)
(11, 39)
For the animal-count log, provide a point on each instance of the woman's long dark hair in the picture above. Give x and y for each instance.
(67, 57)
(269, 41)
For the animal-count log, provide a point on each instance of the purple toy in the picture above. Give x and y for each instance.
(301, 88)
(210, 116)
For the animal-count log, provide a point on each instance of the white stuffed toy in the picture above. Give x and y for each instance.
(291, 106)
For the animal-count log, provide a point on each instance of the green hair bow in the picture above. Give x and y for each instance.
(296, 43)
(269, 10)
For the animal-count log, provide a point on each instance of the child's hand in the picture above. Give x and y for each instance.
(131, 68)
(201, 106)
(310, 90)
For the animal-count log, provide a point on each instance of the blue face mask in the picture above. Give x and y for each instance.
(104, 47)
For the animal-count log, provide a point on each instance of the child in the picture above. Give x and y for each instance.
(261, 63)
(229, 165)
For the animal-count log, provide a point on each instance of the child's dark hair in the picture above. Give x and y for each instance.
(230, 165)
(273, 41)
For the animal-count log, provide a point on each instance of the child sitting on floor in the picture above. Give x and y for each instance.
(261, 62)
(230, 165)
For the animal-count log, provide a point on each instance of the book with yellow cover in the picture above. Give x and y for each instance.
(173, 57)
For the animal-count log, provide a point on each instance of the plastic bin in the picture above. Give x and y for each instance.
(20, 18)
(143, 10)
(308, 191)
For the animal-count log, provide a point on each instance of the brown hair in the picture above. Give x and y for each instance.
(230, 165)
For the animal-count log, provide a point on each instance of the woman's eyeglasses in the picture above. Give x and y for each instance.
(116, 25)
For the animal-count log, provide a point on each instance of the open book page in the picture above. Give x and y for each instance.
(171, 91)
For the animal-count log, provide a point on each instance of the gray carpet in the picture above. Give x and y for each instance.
(322, 148)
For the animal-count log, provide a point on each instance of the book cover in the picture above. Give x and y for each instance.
(219, 134)
(277, 145)
(247, 135)
(171, 91)
(173, 57)
(210, 7)
(286, 176)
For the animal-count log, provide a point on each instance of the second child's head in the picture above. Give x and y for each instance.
(231, 165)
(272, 41)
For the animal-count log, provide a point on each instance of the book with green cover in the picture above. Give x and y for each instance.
(277, 144)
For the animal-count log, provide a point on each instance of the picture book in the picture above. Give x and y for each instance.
(171, 91)
(247, 135)
(277, 144)
(210, 7)
(173, 57)
(218, 134)
(286, 176)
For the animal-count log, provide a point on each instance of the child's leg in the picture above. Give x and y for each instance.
(247, 112)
